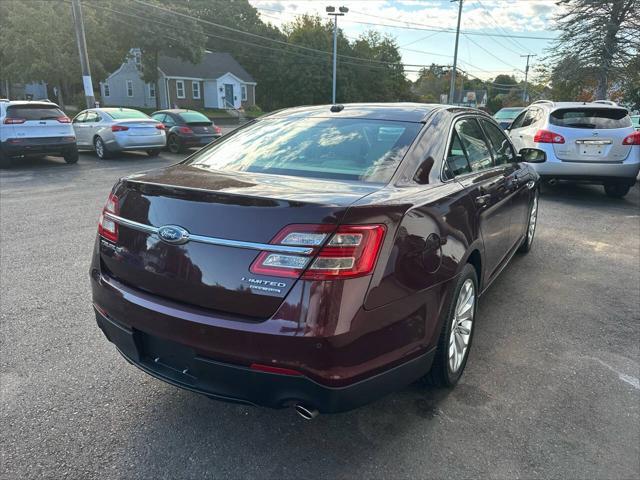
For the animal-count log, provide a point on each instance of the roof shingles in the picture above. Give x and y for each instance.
(213, 65)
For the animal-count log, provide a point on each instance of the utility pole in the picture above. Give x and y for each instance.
(452, 88)
(526, 77)
(332, 11)
(82, 49)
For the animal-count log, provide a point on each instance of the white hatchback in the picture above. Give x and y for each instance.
(35, 128)
(584, 141)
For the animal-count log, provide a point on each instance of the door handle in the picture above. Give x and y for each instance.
(482, 200)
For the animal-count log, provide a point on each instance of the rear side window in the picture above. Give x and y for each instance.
(34, 112)
(194, 117)
(590, 118)
(457, 163)
(333, 148)
(474, 144)
(500, 145)
(125, 114)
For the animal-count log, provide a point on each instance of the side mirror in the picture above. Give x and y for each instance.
(532, 155)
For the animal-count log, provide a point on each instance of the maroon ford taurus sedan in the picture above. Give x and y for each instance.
(319, 257)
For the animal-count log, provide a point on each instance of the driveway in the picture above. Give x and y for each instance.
(551, 388)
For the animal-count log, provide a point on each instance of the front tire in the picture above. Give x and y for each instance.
(457, 332)
(71, 156)
(174, 144)
(101, 150)
(616, 190)
(5, 160)
(531, 225)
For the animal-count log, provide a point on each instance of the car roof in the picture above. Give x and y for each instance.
(176, 110)
(407, 112)
(48, 103)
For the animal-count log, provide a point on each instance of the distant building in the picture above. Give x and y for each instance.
(23, 91)
(472, 98)
(218, 81)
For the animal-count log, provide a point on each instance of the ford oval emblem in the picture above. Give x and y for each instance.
(173, 234)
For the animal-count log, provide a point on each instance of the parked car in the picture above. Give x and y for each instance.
(635, 121)
(35, 128)
(187, 128)
(111, 130)
(592, 142)
(319, 257)
(505, 116)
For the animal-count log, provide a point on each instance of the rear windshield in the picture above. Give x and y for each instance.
(34, 112)
(591, 118)
(194, 117)
(507, 113)
(125, 113)
(343, 149)
(636, 121)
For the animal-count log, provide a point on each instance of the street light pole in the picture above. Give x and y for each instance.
(452, 88)
(82, 49)
(526, 78)
(332, 11)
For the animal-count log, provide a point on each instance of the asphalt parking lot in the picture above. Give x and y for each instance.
(552, 388)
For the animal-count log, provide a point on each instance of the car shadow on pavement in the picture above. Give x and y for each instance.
(584, 194)
(208, 433)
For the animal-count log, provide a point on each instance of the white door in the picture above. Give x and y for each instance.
(211, 94)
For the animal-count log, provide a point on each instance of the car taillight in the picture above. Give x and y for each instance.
(14, 121)
(633, 139)
(63, 119)
(160, 126)
(545, 136)
(217, 129)
(186, 130)
(107, 228)
(119, 128)
(351, 251)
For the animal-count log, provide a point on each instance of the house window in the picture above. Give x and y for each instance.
(107, 92)
(137, 57)
(129, 88)
(152, 90)
(244, 93)
(180, 88)
(195, 88)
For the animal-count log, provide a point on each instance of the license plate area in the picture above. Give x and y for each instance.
(171, 358)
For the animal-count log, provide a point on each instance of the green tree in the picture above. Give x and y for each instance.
(37, 42)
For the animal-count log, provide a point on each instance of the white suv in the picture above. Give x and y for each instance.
(585, 141)
(35, 128)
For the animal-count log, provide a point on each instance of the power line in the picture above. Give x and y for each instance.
(515, 42)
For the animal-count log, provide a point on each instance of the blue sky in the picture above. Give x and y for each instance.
(409, 21)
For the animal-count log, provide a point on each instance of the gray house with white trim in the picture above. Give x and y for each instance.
(218, 81)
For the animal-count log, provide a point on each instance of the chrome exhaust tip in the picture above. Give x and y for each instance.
(307, 413)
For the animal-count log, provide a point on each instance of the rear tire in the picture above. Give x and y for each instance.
(71, 156)
(153, 152)
(174, 144)
(452, 351)
(531, 225)
(616, 190)
(101, 150)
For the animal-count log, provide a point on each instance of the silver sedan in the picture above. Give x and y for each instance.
(112, 130)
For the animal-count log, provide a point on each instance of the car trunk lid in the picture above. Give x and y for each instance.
(591, 134)
(140, 127)
(214, 205)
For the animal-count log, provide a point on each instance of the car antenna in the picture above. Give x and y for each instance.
(337, 107)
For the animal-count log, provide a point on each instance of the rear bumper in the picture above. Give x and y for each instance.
(198, 141)
(136, 142)
(595, 171)
(183, 367)
(47, 145)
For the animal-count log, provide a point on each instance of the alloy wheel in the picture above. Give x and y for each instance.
(99, 148)
(174, 147)
(533, 219)
(461, 325)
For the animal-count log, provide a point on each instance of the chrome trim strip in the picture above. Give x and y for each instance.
(223, 242)
(593, 142)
